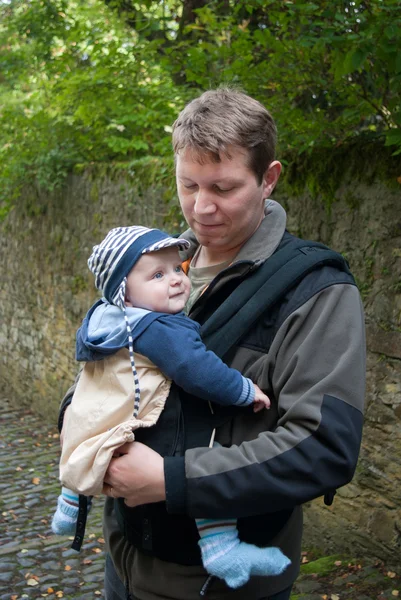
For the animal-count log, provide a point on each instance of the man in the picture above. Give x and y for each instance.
(307, 354)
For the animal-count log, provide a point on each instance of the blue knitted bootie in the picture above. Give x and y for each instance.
(236, 561)
(65, 518)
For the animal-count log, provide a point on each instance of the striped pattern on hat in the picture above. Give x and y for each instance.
(106, 255)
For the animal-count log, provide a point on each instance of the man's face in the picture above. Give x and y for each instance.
(157, 282)
(223, 202)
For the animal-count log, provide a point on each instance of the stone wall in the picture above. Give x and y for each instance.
(366, 514)
(46, 288)
(46, 285)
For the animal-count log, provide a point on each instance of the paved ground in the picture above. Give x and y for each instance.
(36, 564)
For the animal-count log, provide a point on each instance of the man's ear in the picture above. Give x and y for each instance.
(271, 177)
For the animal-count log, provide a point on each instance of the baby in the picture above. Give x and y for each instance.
(145, 290)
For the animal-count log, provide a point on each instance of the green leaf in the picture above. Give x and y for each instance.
(393, 137)
(353, 61)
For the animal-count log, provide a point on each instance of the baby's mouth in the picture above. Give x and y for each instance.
(177, 294)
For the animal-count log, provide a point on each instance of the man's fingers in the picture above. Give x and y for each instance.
(106, 489)
(129, 503)
(125, 448)
(137, 476)
(109, 491)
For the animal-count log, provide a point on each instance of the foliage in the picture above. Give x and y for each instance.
(328, 71)
(77, 86)
(101, 82)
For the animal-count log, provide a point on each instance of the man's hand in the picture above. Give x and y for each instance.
(137, 475)
(261, 400)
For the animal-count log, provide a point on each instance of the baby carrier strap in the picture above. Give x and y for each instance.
(259, 292)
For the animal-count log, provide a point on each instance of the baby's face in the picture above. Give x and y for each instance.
(157, 282)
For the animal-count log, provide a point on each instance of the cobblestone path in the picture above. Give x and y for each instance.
(34, 563)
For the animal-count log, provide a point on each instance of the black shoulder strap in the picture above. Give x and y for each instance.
(261, 290)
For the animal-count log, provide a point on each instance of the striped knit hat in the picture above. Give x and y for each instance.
(112, 260)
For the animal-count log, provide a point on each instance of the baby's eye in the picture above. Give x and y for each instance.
(158, 275)
(178, 269)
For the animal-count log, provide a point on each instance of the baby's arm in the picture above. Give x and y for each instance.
(173, 343)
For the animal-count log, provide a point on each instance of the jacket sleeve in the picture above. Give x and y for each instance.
(175, 346)
(316, 369)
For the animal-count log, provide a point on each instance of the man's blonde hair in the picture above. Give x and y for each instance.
(226, 117)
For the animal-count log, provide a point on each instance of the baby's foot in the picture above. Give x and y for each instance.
(243, 560)
(65, 518)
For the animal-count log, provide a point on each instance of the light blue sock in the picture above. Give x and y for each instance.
(65, 518)
(226, 557)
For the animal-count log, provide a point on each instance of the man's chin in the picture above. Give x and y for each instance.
(213, 238)
(209, 231)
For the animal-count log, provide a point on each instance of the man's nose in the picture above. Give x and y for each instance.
(204, 204)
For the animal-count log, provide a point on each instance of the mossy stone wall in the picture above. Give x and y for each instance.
(46, 284)
(361, 217)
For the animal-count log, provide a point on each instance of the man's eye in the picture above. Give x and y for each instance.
(191, 186)
(222, 190)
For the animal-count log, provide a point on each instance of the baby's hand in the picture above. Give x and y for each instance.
(261, 400)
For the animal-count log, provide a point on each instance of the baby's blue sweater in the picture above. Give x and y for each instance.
(172, 343)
